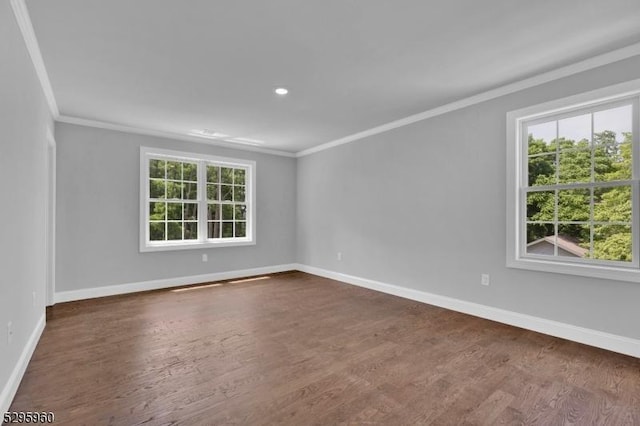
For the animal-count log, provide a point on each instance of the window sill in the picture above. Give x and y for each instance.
(195, 245)
(584, 270)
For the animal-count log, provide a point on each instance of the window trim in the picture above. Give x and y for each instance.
(145, 245)
(515, 172)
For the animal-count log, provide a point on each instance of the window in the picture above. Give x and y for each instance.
(195, 201)
(573, 185)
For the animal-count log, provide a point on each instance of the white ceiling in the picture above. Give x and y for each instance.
(176, 66)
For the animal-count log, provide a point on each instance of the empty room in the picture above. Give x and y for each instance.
(320, 212)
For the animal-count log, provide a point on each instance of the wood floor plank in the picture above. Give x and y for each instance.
(298, 349)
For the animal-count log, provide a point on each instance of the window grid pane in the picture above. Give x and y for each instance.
(226, 200)
(227, 220)
(581, 218)
(173, 195)
(178, 189)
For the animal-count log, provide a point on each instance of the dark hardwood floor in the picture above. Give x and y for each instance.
(298, 349)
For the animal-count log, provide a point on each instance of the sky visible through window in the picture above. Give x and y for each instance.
(579, 197)
(578, 128)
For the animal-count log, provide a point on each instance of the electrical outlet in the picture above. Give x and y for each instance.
(484, 279)
(34, 299)
(339, 256)
(9, 332)
(205, 257)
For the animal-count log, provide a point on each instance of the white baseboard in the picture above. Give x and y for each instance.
(11, 387)
(599, 339)
(90, 293)
(612, 342)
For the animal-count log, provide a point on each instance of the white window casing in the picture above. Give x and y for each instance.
(519, 122)
(236, 199)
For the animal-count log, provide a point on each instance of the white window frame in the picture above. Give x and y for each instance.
(148, 153)
(517, 173)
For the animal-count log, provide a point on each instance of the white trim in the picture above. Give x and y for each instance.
(11, 387)
(556, 106)
(50, 236)
(168, 135)
(599, 339)
(147, 153)
(112, 290)
(28, 34)
(515, 175)
(594, 62)
(195, 245)
(24, 22)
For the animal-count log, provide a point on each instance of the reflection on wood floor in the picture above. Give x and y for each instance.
(298, 349)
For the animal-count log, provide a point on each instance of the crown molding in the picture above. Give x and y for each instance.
(556, 74)
(28, 34)
(168, 135)
(26, 27)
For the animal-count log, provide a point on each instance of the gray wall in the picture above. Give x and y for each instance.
(98, 212)
(423, 206)
(24, 120)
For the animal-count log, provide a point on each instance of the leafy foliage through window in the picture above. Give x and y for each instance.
(192, 199)
(579, 185)
(173, 200)
(226, 202)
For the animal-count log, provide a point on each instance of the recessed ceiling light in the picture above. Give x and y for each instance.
(281, 91)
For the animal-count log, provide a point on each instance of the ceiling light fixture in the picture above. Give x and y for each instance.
(206, 133)
(281, 91)
(213, 135)
(246, 141)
